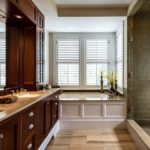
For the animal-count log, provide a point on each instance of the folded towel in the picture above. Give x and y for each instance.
(8, 99)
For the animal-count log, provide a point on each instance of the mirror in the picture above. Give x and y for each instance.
(2, 55)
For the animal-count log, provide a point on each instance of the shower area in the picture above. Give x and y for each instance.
(139, 65)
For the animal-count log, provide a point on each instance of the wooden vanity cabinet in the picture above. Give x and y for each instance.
(10, 137)
(29, 128)
(48, 115)
(55, 105)
(40, 122)
(25, 45)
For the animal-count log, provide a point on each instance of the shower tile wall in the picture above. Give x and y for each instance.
(141, 68)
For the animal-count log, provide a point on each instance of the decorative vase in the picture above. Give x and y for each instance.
(112, 87)
(101, 90)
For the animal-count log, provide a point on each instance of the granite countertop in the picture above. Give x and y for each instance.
(24, 101)
(88, 96)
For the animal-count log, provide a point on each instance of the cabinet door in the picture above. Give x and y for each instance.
(29, 56)
(13, 62)
(54, 109)
(40, 122)
(48, 122)
(10, 135)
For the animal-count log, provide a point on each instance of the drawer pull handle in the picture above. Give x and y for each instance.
(31, 126)
(56, 104)
(29, 146)
(31, 114)
(1, 136)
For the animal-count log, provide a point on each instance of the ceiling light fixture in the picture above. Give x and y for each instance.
(18, 16)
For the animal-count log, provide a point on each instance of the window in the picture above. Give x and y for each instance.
(68, 62)
(2, 62)
(96, 61)
(120, 60)
(40, 58)
(79, 59)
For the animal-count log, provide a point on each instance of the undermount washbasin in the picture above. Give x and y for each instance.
(27, 95)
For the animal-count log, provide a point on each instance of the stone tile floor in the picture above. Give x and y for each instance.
(104, 139)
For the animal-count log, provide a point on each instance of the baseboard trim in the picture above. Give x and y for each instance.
(92, 124)
(52, 133)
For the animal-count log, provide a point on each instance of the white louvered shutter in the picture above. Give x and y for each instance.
(120, 60)
(2, 62)
(68, 62)
(96, 61)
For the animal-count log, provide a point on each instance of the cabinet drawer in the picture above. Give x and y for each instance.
(30, 144)
(29, 115)
(29, 129)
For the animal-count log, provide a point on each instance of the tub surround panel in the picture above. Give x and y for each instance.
(91, 110)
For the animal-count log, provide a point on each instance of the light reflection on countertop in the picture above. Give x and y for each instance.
(88, 96)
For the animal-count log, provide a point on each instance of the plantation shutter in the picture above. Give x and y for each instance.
(120, 60)
(96, 61)
(68, 62)
(2, 62)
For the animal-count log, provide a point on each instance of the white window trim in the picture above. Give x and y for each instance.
(82, 64)
(121, 31)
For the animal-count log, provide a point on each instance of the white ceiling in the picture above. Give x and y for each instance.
(94, 2)
(84, 24)
(77, 24)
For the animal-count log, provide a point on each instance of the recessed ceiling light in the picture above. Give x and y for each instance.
(18, 16)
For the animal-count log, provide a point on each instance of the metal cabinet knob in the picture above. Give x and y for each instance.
(1, 136)
(29, 146)
(48, 103)
(31, 114)
(56, 104)
(31, 126)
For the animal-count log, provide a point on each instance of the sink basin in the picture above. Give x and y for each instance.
(27, 95)
(1, 110)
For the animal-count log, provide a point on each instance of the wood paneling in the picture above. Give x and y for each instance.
(10, 134)
(28, 8)
(13, 36)
(29, 58)
(41, 122)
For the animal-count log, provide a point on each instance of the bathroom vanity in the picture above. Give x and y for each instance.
(25, 124)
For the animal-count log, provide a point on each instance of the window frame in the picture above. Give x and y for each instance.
(82, 64)
(120, 33)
